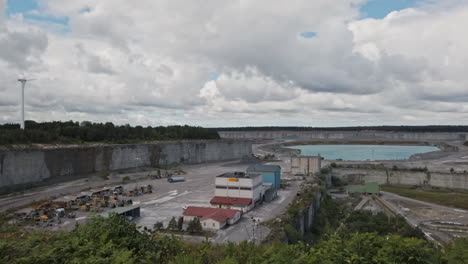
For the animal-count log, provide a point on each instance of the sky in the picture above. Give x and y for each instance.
(236, 62)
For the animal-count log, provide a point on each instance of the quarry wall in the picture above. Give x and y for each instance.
(407, 177)
(344, 135)
(23, 167)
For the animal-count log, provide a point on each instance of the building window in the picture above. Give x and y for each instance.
(213, 224)
(204, 224)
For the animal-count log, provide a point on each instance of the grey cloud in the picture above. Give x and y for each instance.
(97, 65)
(21, 49)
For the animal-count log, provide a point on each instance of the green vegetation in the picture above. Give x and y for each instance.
(104, 175)
(77, 133)
(366, 222)
(115, 240)
(436, 196)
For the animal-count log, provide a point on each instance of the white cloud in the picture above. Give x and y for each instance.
(150, 63)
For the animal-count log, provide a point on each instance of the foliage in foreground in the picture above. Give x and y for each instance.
(115, 240)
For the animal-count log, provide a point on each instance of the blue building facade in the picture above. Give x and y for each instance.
(270, 173)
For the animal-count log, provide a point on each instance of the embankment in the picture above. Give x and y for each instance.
(354, 175)
(38, 166)
(345, 135)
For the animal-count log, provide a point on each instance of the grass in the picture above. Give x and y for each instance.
(436, 196)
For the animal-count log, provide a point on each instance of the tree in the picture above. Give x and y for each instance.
(180, 223)
(194, 226)
(457, 252)
(172, 224)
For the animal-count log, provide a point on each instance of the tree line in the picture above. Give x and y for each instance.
(75, 133)
(353, 128)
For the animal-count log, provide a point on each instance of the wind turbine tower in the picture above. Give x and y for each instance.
(23, 84)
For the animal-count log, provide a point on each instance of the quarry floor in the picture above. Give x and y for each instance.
(167, 199)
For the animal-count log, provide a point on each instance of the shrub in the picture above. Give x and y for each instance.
(125, 179)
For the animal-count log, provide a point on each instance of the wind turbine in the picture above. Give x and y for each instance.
(23, 82)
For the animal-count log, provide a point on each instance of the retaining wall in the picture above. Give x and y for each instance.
(20, 167)
(389, 176)
(344, 135)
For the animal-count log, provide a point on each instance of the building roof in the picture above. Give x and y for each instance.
(221, 200)
(120, 210)
(265, 168)
(370, 187)
(218, 214)
(238, 175)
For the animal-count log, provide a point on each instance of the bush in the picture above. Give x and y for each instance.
(125, 179)
(104, 175)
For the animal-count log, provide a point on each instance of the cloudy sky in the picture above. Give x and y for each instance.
(236, 62)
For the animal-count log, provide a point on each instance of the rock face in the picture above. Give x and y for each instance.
(344, 135)
(20, 167)
(406, 177)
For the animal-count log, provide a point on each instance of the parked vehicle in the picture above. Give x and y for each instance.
(175, 179)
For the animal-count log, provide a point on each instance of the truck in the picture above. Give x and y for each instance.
(175, 179)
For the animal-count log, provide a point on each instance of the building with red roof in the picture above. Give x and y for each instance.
(212, 218)
(241, 204)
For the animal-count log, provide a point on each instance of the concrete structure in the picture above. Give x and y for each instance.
(212, 218)
(20, 168)
(363, 135)
(306, 165)
(242, 204)
(240, 185)
(406, 177)
(270, 173)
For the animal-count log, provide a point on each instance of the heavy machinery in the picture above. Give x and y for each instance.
(146, 189)
(85, 207)
(118, 190)
(100, 202)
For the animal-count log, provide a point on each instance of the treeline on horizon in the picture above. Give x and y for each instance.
(431, 128)
(75, 133)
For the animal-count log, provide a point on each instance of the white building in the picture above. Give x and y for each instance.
(240, 185)
(212, 218)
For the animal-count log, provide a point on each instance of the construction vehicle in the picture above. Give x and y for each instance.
(85, 207)
(118, 190)
(100, 202)
(146, 189)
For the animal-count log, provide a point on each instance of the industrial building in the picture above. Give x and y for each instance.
(270, 173)
(240, 185)
(212, 218)
(242, 204)
(306, 165)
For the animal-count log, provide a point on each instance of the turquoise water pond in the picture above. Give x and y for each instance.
(363, 152)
